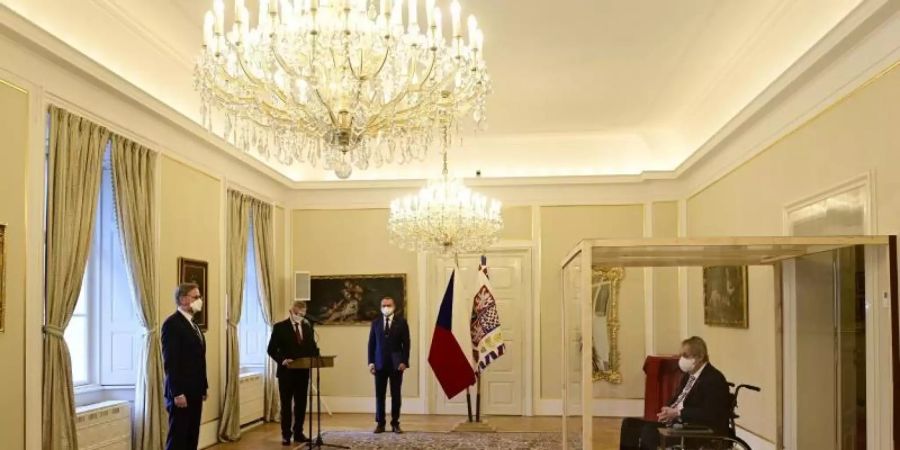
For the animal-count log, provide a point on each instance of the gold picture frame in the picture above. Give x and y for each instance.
(605, 282)
(355, 299)
(725, 296)
(2, 277)
(196, 271)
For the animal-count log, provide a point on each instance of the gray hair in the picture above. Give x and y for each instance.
(698, 348)
(298, 303)
(184, 289)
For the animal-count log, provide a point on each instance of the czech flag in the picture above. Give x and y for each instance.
(450, 365)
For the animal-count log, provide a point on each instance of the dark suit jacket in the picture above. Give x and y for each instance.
(387, 352)
(283, 344)
(184, 358)
(709, 402)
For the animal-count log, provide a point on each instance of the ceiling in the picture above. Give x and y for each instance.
(581, 87)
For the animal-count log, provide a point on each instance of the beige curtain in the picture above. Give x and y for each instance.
(261, 217)
(134, 180)
(76, 156)
(236, 253)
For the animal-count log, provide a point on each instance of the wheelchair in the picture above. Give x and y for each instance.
(693, 437)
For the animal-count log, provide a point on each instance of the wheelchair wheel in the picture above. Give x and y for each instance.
(738, 444)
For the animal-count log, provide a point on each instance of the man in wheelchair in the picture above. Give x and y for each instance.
(702, 400)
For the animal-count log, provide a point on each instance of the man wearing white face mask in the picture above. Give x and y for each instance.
(702, 399)
(388, 359)
(292, 338)
(184, 363)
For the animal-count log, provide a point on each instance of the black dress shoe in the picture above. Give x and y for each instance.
(286, 441)
(300, 439)
(396, 429)
(379, 429)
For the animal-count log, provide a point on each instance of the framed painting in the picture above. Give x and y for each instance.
(355, 299)
(196, 271)
(2, 277)
(725, 296)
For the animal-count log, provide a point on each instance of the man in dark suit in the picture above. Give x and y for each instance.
(184, 363)
(388, 358)
(702, 398)
(291, 339)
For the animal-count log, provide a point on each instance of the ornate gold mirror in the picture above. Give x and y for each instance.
(605, 306)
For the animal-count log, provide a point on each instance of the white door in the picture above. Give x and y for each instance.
(502, 385)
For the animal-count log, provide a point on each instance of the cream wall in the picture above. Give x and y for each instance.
(856, 136)
(666, 311)
(190, 227)
(561, 228)
(345, 242)
(13, 151)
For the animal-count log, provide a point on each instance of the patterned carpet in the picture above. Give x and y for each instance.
(454, 440)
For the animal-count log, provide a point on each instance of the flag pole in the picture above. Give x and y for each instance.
(469, 403)
(478, 399)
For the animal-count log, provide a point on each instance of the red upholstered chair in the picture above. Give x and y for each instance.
(663, 377)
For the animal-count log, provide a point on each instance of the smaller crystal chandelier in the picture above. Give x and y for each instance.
(445, 217)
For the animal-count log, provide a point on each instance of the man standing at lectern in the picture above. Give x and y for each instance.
(292, 339)
(388, 358)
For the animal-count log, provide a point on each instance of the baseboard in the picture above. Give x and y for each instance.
(548, 407)
(362, 405)
(209, 434)
(755, 442)
(618, 407)
(602, 407)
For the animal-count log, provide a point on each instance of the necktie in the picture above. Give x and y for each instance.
(387, 326)
(298, 332)
(685, 391)
(197, 330)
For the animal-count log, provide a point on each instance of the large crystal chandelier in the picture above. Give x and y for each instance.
(341, 82)
(445, 217)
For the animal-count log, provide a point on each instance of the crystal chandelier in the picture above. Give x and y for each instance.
(445, 217)
(341, 82)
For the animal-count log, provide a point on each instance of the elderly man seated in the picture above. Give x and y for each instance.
(701, 399)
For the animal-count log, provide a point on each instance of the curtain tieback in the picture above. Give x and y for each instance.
(232, 324)
(152, 332)
(54, 330)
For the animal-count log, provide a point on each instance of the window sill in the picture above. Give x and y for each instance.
(95, 393)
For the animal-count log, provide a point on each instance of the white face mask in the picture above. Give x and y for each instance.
(686, 364)
(197, 305)
(298, 317)
(387, 310)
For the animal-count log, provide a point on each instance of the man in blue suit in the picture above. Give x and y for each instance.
(184, 362)
(388, 358)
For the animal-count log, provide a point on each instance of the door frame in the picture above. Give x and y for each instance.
(878, 323)
(427, 382)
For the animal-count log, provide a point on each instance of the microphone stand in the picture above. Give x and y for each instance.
(319, 443)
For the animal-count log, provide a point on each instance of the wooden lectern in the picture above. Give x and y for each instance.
(315, 363)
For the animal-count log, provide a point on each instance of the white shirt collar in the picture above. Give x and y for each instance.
(188, 316)
(699, 371)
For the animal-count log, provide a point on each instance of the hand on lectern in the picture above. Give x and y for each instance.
(287, 362)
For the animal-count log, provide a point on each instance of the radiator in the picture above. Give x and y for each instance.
(252, 399)
(104, 426)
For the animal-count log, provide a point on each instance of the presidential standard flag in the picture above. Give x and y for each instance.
(446, 358)
(487, 341)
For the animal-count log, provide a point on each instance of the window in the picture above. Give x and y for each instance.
(253, 329)
(105, 336)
